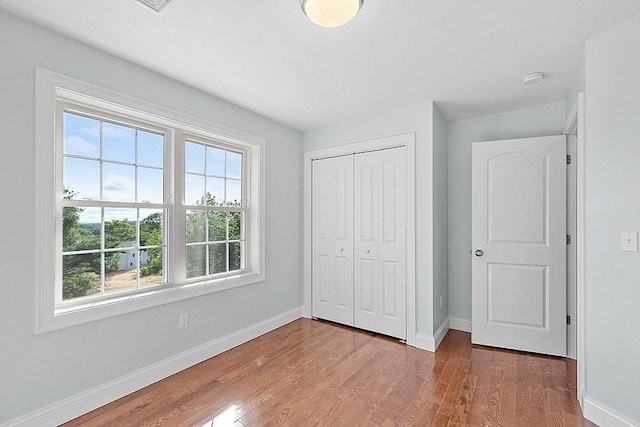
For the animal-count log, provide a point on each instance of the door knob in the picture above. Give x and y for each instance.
(479, 252)
(367, 251)
(341, 249)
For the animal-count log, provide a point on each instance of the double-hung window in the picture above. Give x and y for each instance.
(110, 222)
(149, 206)
(215, 209)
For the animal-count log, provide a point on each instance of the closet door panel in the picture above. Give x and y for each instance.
(379, 251)
(332, 246)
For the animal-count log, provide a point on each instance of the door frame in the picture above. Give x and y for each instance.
(404, 140)
(575, 124)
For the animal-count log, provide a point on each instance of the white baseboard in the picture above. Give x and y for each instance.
(602, 415)
(74, 406)
(431, 343)
(441, 332)
(425, 342)
(460, 324)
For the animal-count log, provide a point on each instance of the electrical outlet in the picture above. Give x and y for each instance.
(183, 322)
(440, 301)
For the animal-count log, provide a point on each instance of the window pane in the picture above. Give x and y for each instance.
(150, 149)
(121, 270)
(91, 217)
(81, 179)
(215, 189)
(150, 185)
(196, 230)
(217, 258)
(235, 225)
(215, 161)
(234, 193)
(194, 158)
(151, 227)
(234, 165)
(235, 256)
(151, 267)
(194, 190)
(118, 143)
(78, 235)
(217, 226)
(120, 228)
(196, 261)
(80, 275)
(81, 136)
(118, 182)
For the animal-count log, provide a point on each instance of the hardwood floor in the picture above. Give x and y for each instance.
(314, 373)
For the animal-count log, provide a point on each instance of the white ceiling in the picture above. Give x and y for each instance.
(468, 55)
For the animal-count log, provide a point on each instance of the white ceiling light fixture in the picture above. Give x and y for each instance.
(532, 78)
(156, 5)
(331, 13)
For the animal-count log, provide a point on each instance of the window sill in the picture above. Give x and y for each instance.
(90, 311)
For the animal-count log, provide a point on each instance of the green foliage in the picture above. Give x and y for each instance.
(211, 227)
(80, 284)
(117, 231)
(151, 225)
(151, 235)
(154, 264)
(81, 273)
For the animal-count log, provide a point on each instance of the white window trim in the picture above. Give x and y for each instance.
(51, 87)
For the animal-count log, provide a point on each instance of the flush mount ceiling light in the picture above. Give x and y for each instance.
(156, 5)
(532, 78)
(331, 13)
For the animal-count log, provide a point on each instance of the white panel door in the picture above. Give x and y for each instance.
(519, 244)
(379, 253)
(332, 217)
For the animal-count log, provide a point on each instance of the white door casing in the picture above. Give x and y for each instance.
(380, 227)
(519, 244)
(333, 239)
(572, 247)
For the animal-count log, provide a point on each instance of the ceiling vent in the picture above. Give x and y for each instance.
(156, 5)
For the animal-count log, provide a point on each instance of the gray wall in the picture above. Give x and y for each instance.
(415, 119)
(578, 85)
(538, 121)
(38, 370)
(440, 219)
(613, 205)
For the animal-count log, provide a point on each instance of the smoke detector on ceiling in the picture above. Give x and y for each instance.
(532, 78)
(156, 5)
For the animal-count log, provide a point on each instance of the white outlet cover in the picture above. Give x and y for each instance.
(629, 241)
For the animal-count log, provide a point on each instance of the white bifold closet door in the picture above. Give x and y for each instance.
(379, 250)
(359, 228)
(332, 280)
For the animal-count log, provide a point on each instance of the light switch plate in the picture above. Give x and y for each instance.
(629, 241)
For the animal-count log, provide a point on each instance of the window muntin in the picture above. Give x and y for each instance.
(112, 210)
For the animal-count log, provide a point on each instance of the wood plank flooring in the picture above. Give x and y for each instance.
(315, 373)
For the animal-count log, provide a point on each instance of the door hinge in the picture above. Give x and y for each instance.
(568, 319)
(568, 159)
(568, 239)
